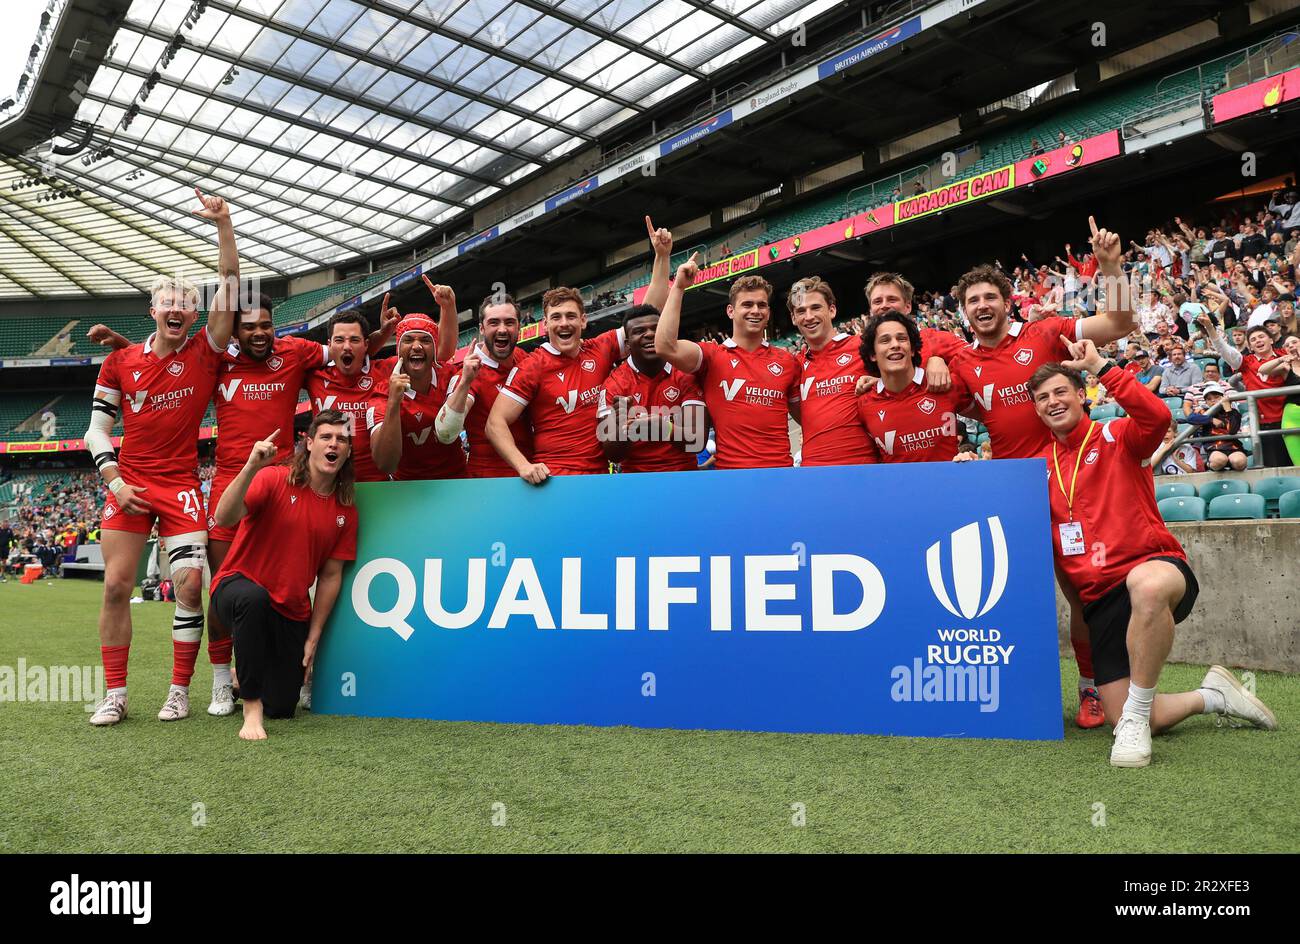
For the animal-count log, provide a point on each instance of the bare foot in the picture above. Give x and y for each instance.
(252, 732)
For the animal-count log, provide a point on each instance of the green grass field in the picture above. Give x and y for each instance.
(359, 784)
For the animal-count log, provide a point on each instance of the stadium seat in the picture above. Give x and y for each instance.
(1288, 505)
(1182, 508)
(1236, 506)
(1175, 490)
(1211, 490)
(1273, 489)
(1107, 411)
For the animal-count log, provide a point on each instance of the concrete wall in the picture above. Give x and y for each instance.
(1248, 613)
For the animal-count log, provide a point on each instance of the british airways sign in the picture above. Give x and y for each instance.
(919, 601)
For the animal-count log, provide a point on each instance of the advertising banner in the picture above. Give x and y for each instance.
(955, 194)
(1071, 157)
(1257, 96)
(680, 606)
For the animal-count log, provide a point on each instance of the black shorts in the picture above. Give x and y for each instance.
(1107, 618)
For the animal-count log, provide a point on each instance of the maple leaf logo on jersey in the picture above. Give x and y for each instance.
(175, 368)
(589, 364)
(212, 522)
(1091, 457)
(274, 361)
(108, 512)
(926, 406)
(1024, 356)
(365, 383)
(843, 359)
(671, 394)
(775, 369)
(339, 520)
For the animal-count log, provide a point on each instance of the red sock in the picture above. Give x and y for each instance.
(1083, 656)
(219, 650)
(115, 665)
(184, 655)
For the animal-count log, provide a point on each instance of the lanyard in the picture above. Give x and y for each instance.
(1060, 480)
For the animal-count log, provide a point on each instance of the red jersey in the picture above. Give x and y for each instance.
(329, 389)
(668, 390)
(998, 379)
(424, 455)
(748, 394)
(484, 460)
(162, 404)
(255, 397)
(936, 343)
(1270, 408)
(832, 432)
(286, 537)
(914, 425)
(1114, 497)
(561, 394)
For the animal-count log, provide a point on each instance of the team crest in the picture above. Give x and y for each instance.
(274, 361)
(108, 512)
(212, 522)
(843, 359)
(775, 369)
(589, 365)
(1091, 457)
(175, 368)
(339, 521)
(365, 383)
(1024, 356)
(671, 394)
(926, 406)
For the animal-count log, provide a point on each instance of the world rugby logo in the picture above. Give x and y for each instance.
(967, 567)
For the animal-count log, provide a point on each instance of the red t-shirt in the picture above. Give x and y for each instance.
(914, 425)
(484, 460)
(424, 456)
(668, 390)
(936, 343)
(561, 395)
(832, 432)
(256, 397)
(329, 389)
(998, 379)
(163, 402)
(286, 537)
(748, 394)
(1270, 408)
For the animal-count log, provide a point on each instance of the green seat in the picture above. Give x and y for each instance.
(1236, 506)
(1174, 403)
(1182, 508)
(1212, 490)
(1288, 505)
(1175, 490)
(1107, 411)
(1273, 489)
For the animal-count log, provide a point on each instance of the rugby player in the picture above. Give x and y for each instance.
(996, 368)
(1141, 585)
(296, 525)
(650, 417)
(749, 385)
(889, 290)
(559, 387)
(906, 420)
(165, 384)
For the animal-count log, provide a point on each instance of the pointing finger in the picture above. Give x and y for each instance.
(383, 307)
(694, 259)
(1092, 223)
(397, 368)
(271, 438)
(649, 227)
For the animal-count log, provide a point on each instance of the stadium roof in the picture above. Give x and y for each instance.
(340, 129)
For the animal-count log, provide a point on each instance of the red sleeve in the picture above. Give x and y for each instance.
(382, 368)
(691, 392)
(108, 377)
(943, 344)
(1055, 327)
(345, 548)
(1148, 415)
(707, 351)
(521, 385)
(609, 345)
(309, 354)
(611, 388)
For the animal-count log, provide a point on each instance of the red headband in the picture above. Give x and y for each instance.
(417, 322)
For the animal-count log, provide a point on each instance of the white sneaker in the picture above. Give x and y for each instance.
(304, 697)
(1237, 702)
(176, 707)
(223, 701)
(1132, 747)
(111, 710)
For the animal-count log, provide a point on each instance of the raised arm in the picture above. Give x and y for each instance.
(221, 316)
(661, 240)
(448, 320)
(451, 418)
(388, 318)
(1117, 320)
(386, 435)
(682, 354)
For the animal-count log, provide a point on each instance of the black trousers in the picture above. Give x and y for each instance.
(268, 646)
(1275, 454)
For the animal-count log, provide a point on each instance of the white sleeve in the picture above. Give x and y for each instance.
(448, 424)
(103, 413)
(1227, 351)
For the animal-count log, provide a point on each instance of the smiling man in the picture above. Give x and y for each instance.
(1141, 586)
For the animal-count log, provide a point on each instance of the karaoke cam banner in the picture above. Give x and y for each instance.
(908, 599)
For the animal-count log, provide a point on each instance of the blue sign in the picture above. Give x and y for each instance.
(403, 277)
(573, 193)
(480, 239)
(908, 599)
(865, 50)
(690, 136)
(294, 328)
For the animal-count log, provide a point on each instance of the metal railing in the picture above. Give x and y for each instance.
(1256, 434)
